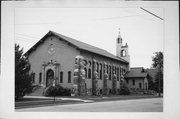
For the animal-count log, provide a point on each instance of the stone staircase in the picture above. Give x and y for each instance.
(37, 91)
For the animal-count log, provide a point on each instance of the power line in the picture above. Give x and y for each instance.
(151, 13)
(26, 35)
(118, 17)
(24, 41)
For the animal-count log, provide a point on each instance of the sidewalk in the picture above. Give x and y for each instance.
(85, 98)
(36, 101)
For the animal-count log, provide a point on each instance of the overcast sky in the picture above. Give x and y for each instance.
(142, 31)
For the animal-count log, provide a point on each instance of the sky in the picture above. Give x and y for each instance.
(99, 27)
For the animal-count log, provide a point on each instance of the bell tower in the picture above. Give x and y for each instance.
(122, 50)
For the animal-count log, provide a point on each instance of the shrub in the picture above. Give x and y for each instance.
(57, 91)
(124, 90)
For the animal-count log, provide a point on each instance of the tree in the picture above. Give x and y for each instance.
(151, 84)
(23, 81)
(158, 63)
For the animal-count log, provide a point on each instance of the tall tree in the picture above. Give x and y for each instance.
(158, 63)
(22, 77)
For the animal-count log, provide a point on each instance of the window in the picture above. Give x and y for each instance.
(123, 53)
(85, 72)
(133, 82)
(146, 86)
(97, 67)
(127, 81)
(40, 77)
(118, 40)
(33, 77)
(120, 71)
(100, 71)
(109, 72)
(69, 76)
(106, 68)
(118, 74)
(89, 73)
(140, 85)
(61, 77)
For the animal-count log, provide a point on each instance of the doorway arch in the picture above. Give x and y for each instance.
(49, 77)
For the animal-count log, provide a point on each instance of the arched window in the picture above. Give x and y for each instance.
(100, 71)
(85, 72)
(123, 53)
(89, 73)
(109, 72)
(69, 76)
(106, 68)
(98, 67)
(118, 74)
(61, 77)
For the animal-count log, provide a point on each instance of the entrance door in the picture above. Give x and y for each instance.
(49, 77)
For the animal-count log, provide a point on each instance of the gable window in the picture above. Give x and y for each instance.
(61, 77)
(69, 76)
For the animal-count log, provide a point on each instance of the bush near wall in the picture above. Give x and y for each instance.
(124, 90)
(57, 91)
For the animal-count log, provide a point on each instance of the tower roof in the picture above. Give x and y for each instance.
(119, 36)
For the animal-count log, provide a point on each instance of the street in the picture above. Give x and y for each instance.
(135, 105)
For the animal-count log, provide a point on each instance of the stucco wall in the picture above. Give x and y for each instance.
(100, 59)
(64, 55)
(137, 81)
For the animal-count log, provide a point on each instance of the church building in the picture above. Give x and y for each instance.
(53, 58)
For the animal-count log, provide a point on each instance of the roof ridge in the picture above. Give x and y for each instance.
(79, 41)
(79, 44)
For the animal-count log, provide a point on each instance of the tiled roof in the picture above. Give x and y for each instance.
(136, 72)
(81, 45)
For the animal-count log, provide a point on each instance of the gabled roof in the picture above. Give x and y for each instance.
(80, 45)
(136, 72)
